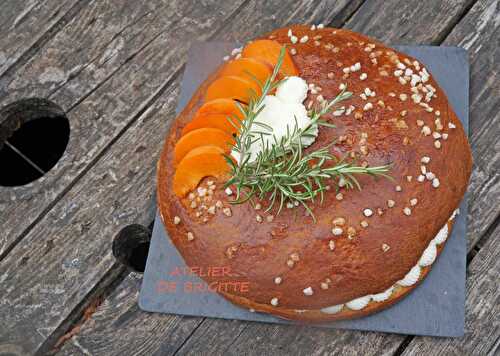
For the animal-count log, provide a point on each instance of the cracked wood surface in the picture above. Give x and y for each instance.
(119, 81)
(27, 25)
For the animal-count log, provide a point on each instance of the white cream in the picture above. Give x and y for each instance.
(411, 277)
(380, 297)
(334, 309)
(429, 255)
(359, 303)
(282, 112)
(427, 258)
(441, 236)
(293, 90)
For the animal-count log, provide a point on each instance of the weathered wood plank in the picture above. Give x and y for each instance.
(479, 32)
(221, 337)
(54, 263)
(25, 25)
(482, 335)
(264, 16)
(45, 279)
(101, 37)
(218, 336)
(128, 52)
(47, 324)
(406, 22)
(119, 313)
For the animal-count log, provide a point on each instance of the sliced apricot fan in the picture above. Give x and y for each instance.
(216, 121)
(199, 163)
(233, 87)
(202, 137)
(248, 68)
(269, 51)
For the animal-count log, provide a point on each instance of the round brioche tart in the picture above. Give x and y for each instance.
(366, 249)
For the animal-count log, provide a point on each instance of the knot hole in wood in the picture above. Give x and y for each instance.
(34, 134)
(131, 246)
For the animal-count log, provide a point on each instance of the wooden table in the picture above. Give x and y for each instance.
(114, 66)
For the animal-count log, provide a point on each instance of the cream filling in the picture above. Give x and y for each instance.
(428, 257)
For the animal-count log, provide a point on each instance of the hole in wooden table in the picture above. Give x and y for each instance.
(131, 246)
(34, 134)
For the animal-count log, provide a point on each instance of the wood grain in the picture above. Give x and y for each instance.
(55, 267)
(220, 336)
(27, 25)
(36, 322)
(62, 260)
(408, 22)
(263, 16)
(479, 32)
(108, 332)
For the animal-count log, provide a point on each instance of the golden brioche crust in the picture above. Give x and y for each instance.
(317, 316)
(392, 129)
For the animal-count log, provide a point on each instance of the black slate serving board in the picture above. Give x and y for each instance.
(436, 307)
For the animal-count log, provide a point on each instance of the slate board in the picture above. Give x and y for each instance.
(436, 307)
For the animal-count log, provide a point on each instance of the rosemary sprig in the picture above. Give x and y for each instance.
(282, 172)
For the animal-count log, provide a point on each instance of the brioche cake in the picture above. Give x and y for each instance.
(339, 221)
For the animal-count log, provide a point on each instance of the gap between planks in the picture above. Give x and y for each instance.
(440, 39)
(45, 38)
(78, 317)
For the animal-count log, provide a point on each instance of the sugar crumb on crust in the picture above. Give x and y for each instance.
(304, 315)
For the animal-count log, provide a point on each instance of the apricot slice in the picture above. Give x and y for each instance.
(248, 68)
(227, 107)
(269, 51)
(233, 87)
(202, 137)
(216, 121)
(220, 106)
(201, 162)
